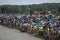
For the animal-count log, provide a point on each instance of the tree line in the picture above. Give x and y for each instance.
(54, 7)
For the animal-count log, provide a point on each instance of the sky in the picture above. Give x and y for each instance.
(26, 2)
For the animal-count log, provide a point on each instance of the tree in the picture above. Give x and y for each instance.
(31, 12)
(35, 7)
(54, 11)
(45, 10)
(20, 10)
(27, 10)
(0, 10)
(59, 10)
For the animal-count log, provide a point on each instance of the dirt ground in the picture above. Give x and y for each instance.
(13, 34)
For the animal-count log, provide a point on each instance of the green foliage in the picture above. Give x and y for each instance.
(27, 10)
(54, 11)
(54, 7)
(0, 10)
(31, 12)
(59, 10)
(45, 10)
(10, 9)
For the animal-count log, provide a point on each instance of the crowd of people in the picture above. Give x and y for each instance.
(47, 25)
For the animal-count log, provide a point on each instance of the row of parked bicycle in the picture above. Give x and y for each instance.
(50, 30)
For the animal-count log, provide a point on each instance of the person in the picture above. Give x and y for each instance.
(49, 16)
